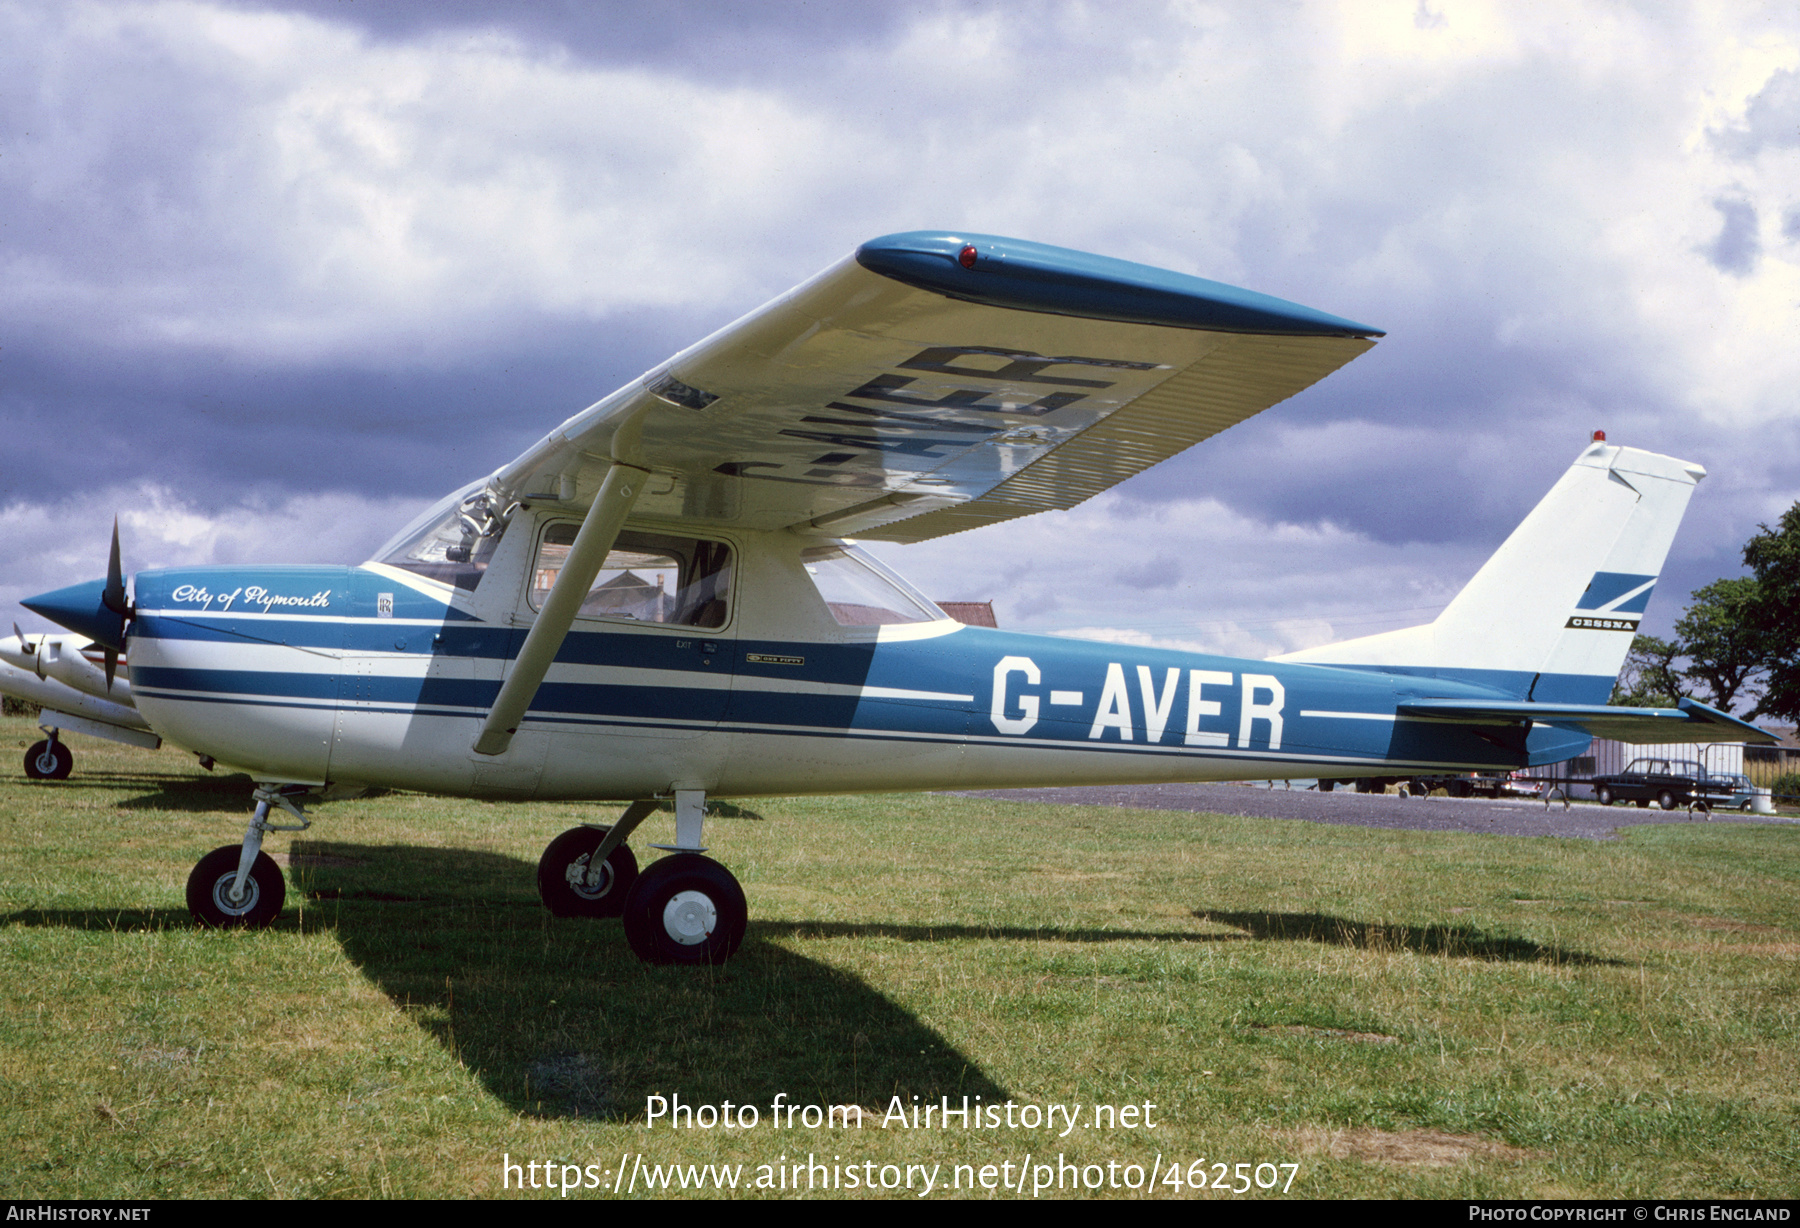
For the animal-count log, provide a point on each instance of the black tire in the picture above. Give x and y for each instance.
(1603, 795)
(208, 887)
(1666, 800)
(563, 873)
(47, 760)
(686, 909)
(1326, 786)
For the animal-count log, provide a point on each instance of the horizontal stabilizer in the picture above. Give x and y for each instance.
(1691, 722)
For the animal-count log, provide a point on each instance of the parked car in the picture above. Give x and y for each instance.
(1731, 791)
(1670, 783)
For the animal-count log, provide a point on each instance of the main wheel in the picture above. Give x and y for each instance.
(47, 760)
(209, 890)
(686, 909)
(1603, 795)
(1666, 800)
(571, 886)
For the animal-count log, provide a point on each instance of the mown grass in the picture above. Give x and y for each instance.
(1401, 1014)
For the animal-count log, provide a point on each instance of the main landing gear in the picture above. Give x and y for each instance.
(683, 909)
(241, 886)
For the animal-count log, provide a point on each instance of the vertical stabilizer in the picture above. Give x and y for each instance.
(1552, 614)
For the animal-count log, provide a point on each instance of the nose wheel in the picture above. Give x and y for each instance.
(213, 898)
(240, 886)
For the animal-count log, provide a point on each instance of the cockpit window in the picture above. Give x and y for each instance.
(647, 577)
(454, 541)
(860, 592)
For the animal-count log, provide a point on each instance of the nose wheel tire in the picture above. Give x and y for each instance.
(48, 760)
(209, 891)
(686, 909)
(571, 886)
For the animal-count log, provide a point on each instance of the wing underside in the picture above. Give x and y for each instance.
(912, 391)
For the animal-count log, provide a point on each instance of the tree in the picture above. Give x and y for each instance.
(1720, 638)
(1649, 678)
(1774, 555)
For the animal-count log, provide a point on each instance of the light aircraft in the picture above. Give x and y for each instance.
(657, 601)
(76, 692)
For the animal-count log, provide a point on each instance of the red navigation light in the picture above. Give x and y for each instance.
(1599, 436)
(966, 257)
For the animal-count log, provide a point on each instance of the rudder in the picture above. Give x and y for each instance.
(1551, 615)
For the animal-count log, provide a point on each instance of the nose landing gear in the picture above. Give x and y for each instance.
(239, 886)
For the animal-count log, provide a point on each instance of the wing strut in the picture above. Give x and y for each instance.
(598, 532)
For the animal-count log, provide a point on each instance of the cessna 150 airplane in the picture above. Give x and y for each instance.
(656, 600)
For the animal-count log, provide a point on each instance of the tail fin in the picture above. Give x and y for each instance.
(1552, 613)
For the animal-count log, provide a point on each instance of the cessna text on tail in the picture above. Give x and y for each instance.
(658, 601)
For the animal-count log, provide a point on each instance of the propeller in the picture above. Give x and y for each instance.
(27, 648)
(97, 609)
(113, 598)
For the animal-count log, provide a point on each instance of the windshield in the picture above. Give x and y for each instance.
(453, 541)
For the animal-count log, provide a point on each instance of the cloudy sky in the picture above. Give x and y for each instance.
(273, 276)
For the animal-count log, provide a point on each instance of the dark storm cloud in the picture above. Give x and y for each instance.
(219, 427)
(689, 37)
(370, 251)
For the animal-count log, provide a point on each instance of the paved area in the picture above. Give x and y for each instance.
(1498, 817)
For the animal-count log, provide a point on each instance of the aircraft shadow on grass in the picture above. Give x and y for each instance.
(178, 790)
(1455, 941)
(559, 1019)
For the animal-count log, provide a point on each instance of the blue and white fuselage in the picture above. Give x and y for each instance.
(350, 675)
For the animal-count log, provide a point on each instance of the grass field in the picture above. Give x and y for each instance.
(1396, 1014)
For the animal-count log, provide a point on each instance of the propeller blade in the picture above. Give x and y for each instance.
(113, 597)
(19, 635)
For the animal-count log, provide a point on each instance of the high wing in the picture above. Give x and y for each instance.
(934, 382)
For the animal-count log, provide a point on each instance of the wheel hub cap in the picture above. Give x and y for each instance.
(222, 895)
(689, 917)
